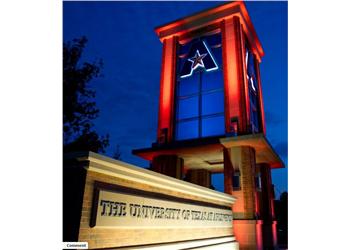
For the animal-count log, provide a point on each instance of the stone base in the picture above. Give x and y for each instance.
(102, 178)
(255, 234)
(246, 234)
(222, 243)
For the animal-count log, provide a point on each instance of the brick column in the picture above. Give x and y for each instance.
(243, 159)
(247, 169)
(244, 224)
(200, 177)
(170, 165)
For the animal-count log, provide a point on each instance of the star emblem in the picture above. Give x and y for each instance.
(197, 60)
(200, 56)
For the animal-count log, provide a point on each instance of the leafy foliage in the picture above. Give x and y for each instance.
(79, 107)
(117, 153)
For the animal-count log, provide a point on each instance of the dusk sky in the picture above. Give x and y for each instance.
(122, 35)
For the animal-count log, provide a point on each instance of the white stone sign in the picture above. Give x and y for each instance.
(115, 209)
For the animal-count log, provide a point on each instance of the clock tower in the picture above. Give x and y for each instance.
(211, 116)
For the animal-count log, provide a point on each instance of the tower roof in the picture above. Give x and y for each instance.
(211, 18)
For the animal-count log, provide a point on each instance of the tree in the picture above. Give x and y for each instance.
(281, 212)
(117, 153)
(79, 107)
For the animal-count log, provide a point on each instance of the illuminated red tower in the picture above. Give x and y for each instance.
(211, 115)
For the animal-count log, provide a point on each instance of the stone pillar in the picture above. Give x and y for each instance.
(247, 170)
(170, 165)
(200, 177)
(242, 159)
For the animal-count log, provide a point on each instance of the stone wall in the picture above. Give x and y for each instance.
(106, 170)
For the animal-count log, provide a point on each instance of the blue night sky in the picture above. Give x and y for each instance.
(122, 35)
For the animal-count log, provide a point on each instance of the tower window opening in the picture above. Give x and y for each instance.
(199, 89)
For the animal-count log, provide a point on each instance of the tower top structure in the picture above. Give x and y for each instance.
(210, 19)
(210, 90)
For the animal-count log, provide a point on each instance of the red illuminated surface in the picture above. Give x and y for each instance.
(167, 87)
(272, 207)
(248, 234)
(259, 235)
(274, 233)
(232, 73)
(261, 102)
(257, 203)
(245, 81)
(233, 19)
(210, 17)
(238, 206)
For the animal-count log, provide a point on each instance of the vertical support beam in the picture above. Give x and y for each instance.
(170, 165)
(261, 102)
(248, 233)
(228, 172)
(245, 73)
(267, 211)
(233, 74)
(259, 235)
(257, 204)
(258, 198)
(242, 158)
(167, 87)
(247, 169)
(267, 193)
(274, 234)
